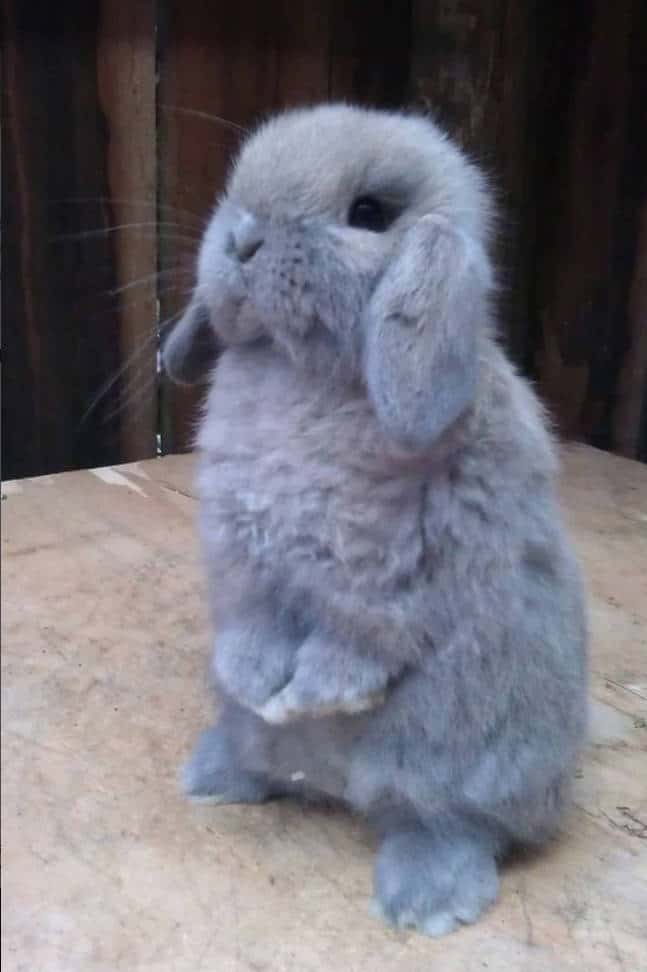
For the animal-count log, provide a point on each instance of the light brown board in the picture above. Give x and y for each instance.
(105, 656)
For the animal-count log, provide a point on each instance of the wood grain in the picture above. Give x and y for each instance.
(593, 174)
(126, 87)
(107, 866)
(60, 330)
(80, 362)
(370, 52)
(630, 417)
(471, 69)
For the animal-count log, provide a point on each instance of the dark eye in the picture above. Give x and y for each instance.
(368, 213)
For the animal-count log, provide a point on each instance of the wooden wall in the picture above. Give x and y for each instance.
(79, 157)
(105, 123)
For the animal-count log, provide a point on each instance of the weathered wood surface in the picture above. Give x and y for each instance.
(105, 867)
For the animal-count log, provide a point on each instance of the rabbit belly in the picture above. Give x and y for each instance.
(297, 497)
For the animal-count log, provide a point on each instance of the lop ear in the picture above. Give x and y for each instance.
(190, 349)
(421, 352)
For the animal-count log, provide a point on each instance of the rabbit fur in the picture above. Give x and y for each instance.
(399, 617)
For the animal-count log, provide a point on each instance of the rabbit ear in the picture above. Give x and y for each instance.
(190, 349)
(422, 327)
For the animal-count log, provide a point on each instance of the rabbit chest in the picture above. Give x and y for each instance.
(296, 480)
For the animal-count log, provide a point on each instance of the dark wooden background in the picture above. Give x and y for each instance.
(105, 106)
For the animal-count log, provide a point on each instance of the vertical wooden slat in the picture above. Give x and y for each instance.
(238, 62)
(629, 401)
(454, 67)
(302, 39)
(54, 359)
(630, 413)
(594, 176)
(61, 405)
(516, 175)
(126, 82)
(630, 418)
(370, 52)
(470, 69)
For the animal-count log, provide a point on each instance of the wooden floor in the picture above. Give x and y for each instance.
(106, 867)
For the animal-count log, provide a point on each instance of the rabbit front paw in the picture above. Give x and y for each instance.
(252, 663)
(295, 702)
(327, 680)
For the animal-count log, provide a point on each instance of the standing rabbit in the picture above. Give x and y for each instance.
(399, 616)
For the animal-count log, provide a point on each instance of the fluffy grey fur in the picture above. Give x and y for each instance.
(399, 616)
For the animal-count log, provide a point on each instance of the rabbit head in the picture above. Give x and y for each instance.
(316, 245)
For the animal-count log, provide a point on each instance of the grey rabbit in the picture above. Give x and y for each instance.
(399, 618)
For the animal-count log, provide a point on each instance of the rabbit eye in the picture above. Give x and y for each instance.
(367, 213)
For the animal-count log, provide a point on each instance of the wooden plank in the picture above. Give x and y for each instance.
(301, 36)
(456, 48)
(66, 147)
(236, 64)
(471, 69)
(97, 715)
(593, 172)
(60, 330)
(126, 83)
(515, 175)
(630, 415)
(370, 53)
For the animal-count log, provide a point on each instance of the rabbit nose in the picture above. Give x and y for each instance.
(246, 239)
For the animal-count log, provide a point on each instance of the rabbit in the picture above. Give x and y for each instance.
(400, 620)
